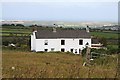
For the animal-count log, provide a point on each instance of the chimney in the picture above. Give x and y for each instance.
(54, 30)
(35, 29)
(87, 29)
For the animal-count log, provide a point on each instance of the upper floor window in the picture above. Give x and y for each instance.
(62, 42)
(87, 43)
(46, 42)
(80, 42)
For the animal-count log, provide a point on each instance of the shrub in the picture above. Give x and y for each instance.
(103, 41)
(5, 43)
(112, 51)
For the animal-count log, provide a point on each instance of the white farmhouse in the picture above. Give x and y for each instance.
(60, 40)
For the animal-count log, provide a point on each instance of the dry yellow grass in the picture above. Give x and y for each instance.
(51, 65)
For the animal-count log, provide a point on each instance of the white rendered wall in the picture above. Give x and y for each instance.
(33, 42)
(38, 44)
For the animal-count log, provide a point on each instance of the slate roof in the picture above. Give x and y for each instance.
(41, 34)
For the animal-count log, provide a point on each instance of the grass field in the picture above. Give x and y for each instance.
(107, 35)
(19, 32)
(54, 65)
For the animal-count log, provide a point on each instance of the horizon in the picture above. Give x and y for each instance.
(58, 21)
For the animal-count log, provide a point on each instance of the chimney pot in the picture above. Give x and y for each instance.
(35, 29)
(87, 29)
(54, 30)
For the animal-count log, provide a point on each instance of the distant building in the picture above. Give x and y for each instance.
(60, 40)
(115, 27)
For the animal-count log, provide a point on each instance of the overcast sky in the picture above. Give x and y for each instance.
(52, 10)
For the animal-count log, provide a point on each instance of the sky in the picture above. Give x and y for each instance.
(54, 10)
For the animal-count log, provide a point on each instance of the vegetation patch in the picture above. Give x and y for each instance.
(21, 64)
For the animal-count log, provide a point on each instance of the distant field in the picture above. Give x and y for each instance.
(53, 65)
(107, 35)
(26, 31)
(19, 32)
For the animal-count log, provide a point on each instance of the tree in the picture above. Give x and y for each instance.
(6, 25)
(12, 24)
(21, 25)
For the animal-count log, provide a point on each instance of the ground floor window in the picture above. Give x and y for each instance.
(75, 50)
(62, 50)
(79, 50)
(52, 49)
(71, 50)
(45, 50)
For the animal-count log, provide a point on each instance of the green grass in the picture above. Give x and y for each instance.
(53, 65)
(113, 46)
(8, 34)
(107, 35)
(19, 32)
(16, 31)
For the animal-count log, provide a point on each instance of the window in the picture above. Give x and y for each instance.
(80, 42)
(87, 43)
(46, 50)
(62, 50)
(52, 49)
(62, 42)
(46, 42)
(79, 50)
(71, 50)
(75, 50)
